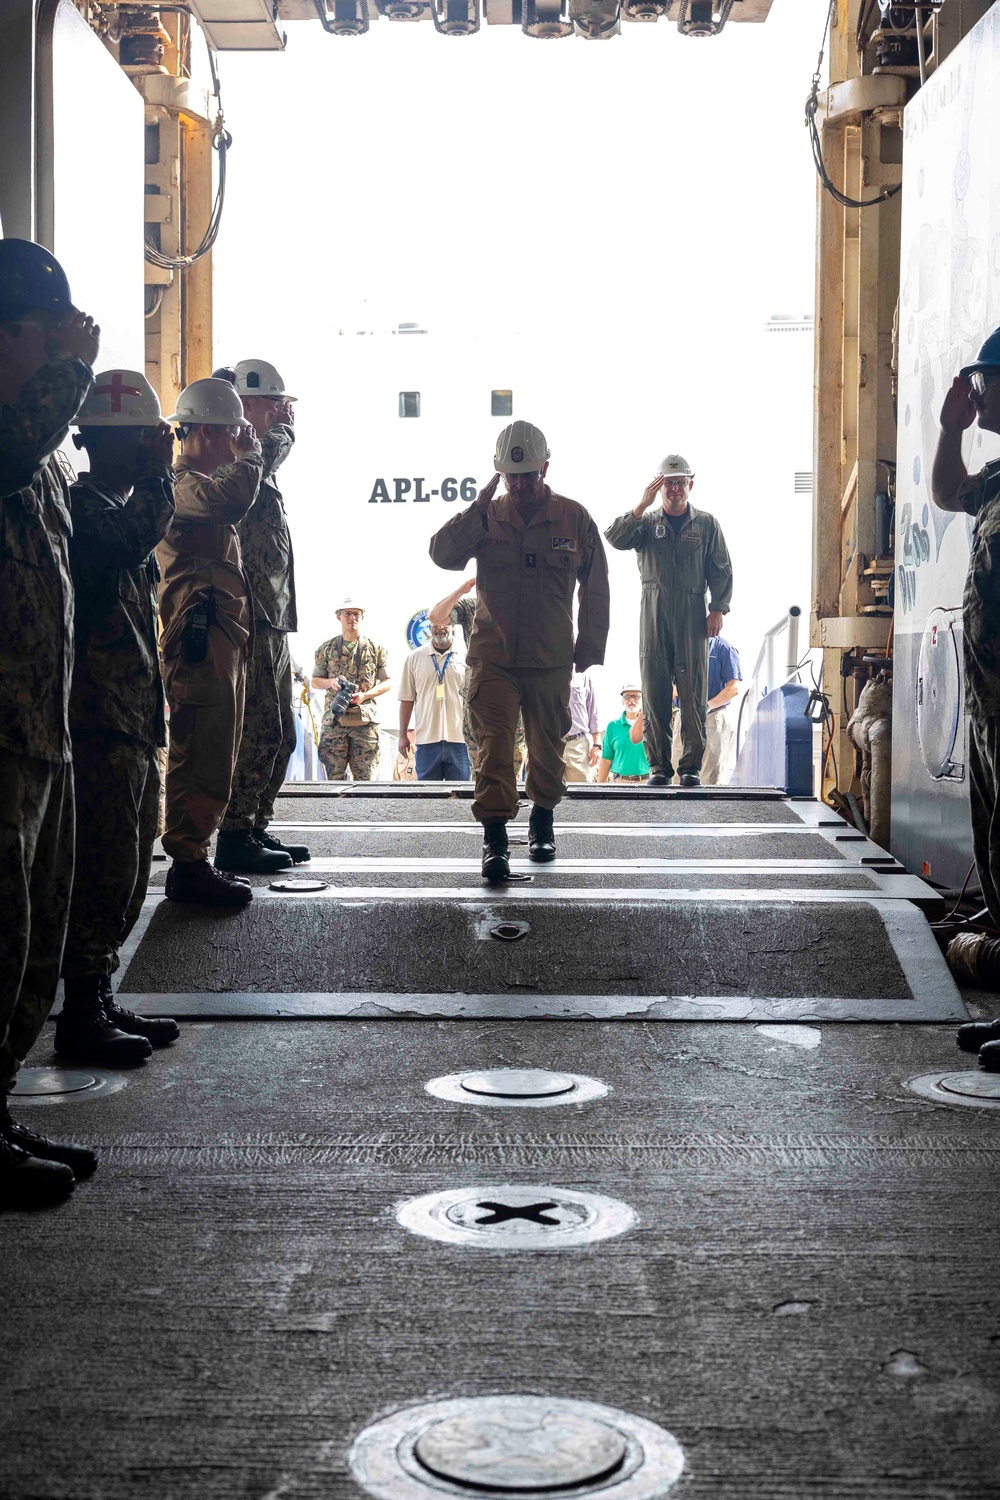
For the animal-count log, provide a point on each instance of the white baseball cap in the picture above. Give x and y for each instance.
(676, 466)
(521, 449)
(631, 687)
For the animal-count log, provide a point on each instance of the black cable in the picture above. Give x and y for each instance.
(221, 142)
(812, 108)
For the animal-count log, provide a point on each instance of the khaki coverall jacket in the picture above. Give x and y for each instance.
(526, 576)
(200, 561)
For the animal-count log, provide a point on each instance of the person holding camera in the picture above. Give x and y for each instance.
(206, 624)
(352, 671)
(534, 552)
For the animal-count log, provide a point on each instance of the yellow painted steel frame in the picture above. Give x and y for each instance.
(857, 294)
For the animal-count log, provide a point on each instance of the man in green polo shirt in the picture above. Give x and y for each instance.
(620, 759)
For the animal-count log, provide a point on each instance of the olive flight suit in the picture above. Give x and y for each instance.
(677, 569)
(36, 670)
(350, 742)
(268, 738)
(116, 709)
(522, 652)
(980, 497)
(204, 671)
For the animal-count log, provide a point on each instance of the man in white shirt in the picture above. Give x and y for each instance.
(430, 692)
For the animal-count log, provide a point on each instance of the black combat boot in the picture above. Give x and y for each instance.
(975, 1034)
(299, 853)
(28, 1181)
(989, 1057)
(541, 836)
(84, 1033)
(690, 778)
(657, 778)
(238, 850)
(159, 1030)
(496, 851)
(196, 883)
(80, 1159)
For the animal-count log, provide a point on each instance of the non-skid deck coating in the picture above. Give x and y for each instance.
(632, 949)
(808, 1303)
(602, 843)
(390, 809)
(555, 878)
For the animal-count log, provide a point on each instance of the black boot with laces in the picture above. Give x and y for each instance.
(85, 1034)
(28, 1181)
(496, 851)
(159, 1030)
(80, 1159)
(299, 853)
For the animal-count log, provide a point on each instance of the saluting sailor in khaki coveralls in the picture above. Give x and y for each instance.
(207, 623)
(533, 549)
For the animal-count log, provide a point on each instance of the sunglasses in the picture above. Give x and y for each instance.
(979, 381)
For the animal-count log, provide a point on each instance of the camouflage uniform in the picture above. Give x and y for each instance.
(980, 497)
(201, 564)
(464, 615)
(353, 741)
(36, 669)
(268, 717)
(116, 710)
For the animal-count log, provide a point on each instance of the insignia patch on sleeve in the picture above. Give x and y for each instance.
(564, 544)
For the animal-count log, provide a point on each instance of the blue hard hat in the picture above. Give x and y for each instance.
(31, 280)
(988, 357)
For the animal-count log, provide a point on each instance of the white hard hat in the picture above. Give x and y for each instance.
(255, 377)
(673, 465)
(211, 401)
(349, 604)
(631, 687)
(521, 449)
(120, 398)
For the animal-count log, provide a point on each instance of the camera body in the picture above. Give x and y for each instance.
(342, 698)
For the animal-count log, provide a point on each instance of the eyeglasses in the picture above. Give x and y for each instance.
(980, 381)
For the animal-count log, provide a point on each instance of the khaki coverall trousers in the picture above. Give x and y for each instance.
(496, 695)
(206, 722)
(576, 754)
(268, 738)
(117, 810)
(36, 876)
(716, 767)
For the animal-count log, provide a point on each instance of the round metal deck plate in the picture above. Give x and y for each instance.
(501, 1446)
(62, 1086)
(969, 1089)
(518, 1083)
(517, 1088)
(509, 1217)
(973, 1085)
(522, 1451)
(298, 887)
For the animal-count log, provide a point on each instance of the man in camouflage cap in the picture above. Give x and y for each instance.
(47, 352)
(121, 509)
(268, 739)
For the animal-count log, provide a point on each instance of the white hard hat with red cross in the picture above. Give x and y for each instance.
(120, 398)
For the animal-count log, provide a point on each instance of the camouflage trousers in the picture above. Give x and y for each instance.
(36, 875)
(117, 810)
(984, 788)
(349, 745)
(268, 733)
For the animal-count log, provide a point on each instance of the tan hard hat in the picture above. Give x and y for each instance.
(521, 449)
(674, 466)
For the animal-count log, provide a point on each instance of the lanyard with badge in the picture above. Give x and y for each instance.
(440, 671)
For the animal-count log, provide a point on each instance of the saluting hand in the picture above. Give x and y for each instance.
(959, 410)
(485, 496)
(158, 442)
(246, 441)
(77, 334)
(650, 493)
(469, 585)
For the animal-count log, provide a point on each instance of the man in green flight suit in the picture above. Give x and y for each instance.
(682, 555)
(47, 352)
